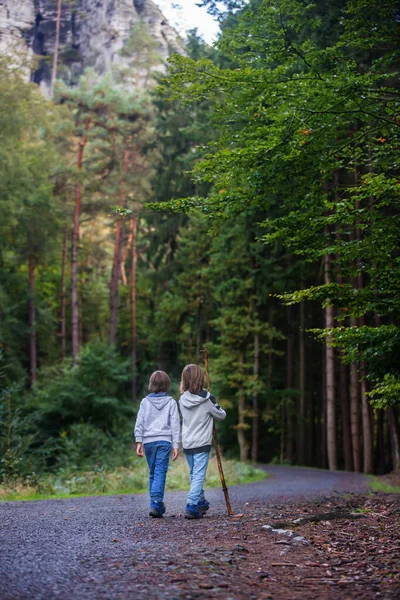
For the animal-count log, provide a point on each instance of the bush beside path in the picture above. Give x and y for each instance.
(133, 479)
(344, 541)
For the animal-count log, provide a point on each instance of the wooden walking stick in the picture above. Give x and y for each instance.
(216, 445)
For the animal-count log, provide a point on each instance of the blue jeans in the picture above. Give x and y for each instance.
(198, 464)
(157, 456)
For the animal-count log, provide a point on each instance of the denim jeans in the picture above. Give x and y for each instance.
(157, 456)
(198, 464)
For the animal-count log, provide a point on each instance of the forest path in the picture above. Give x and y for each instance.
(107, 547)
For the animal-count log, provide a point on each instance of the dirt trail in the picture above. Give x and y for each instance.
(107, 547)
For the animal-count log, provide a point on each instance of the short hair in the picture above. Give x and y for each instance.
(159, 382)
(192, 379)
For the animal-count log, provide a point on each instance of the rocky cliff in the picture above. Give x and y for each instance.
(92, 33)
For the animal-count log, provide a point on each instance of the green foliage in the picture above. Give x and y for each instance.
(307, 115)
(30, 215)
(384, 487)
(94, 392)
(260, 156)
(76, 416)
(85, 446)
(386, 392)
(379, 349)
(14, 441)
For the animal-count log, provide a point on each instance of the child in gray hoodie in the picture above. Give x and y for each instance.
(199, 409)
(157, 431)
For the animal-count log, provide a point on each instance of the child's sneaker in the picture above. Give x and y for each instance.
(192, 512)
(203, 506)
(157, 509)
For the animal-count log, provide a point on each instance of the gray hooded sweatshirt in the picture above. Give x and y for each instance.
(158, 420)
(198, 412)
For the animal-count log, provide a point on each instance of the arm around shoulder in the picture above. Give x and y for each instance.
(139, 425)
(215, 410)
(175, 425)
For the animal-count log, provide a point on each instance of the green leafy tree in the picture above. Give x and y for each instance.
(302, 104)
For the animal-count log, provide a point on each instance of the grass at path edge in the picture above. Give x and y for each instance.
(384, 487)
(132, 480)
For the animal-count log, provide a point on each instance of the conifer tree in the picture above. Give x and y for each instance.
(26, 195)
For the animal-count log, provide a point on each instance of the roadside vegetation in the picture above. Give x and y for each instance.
(131, 479)
(388, 484)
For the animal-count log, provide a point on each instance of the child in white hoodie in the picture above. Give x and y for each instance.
(199, 409)
(157, 432)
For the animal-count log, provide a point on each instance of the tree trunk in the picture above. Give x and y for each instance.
(271, 347)
(64, 295)
(302, 406)
(394, 437)
(368, 466)
(282, 433)
(125, 253)
(345, 410)
(330, 379)
(74, 253)
(355, 414)
(323, 429)
(56, 48)
(380, 442)
(117, 257)
(289, 386)
(241, 426)
(133, 307)
(380, 425)
(114, 282)
(256, 374)
(366, 421)
(355, 410)
(32, 319)
(344, 388)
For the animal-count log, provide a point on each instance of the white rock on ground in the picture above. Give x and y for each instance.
(298, 539)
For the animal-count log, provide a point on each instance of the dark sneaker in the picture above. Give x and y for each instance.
(192, 512)
(203, 506)
(157, 509)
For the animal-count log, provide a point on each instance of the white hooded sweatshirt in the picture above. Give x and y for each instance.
(158, 420)
(198, 412)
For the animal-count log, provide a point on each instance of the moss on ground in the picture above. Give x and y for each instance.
(383, 486)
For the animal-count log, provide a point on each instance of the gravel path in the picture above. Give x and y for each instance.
(107, 547)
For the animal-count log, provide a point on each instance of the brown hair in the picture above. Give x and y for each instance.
(159, 382)
(192, 379)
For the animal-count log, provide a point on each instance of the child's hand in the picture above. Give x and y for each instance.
(175, 452)
(139, 449)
